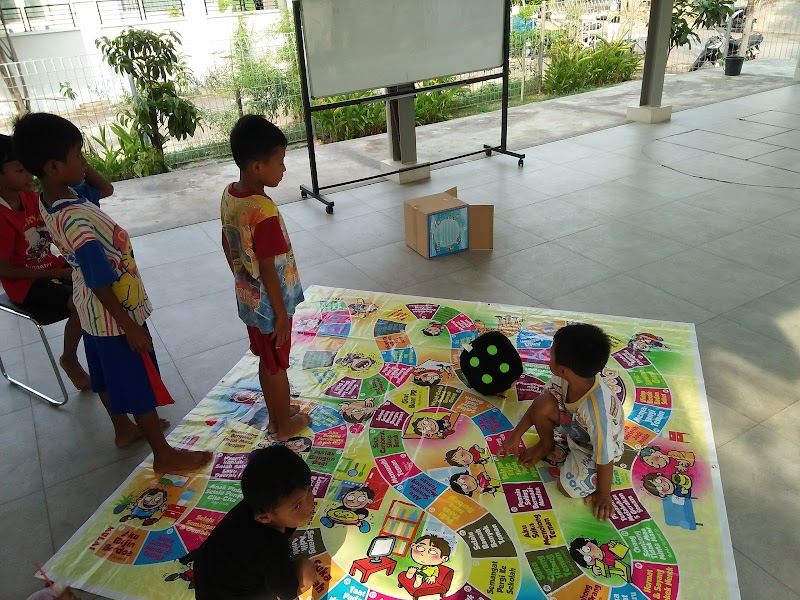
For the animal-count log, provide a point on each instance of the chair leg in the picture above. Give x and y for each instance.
(53, 362)
(55, 370)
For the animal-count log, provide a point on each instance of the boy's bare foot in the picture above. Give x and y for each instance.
(77, 375)
(124, 436)
(179, 460)
(293, 410)
(294, 425)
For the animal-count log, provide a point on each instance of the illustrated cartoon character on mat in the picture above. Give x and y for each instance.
(644, 342)
(509, 326)
(146, 506)
(356, 361)
(430, 552)
(310, 325)
(658, 485)
(654, 457)
(430, 428)
(463, 458)
(480, 327)
(604, 560)
(362, 309)
(351, 511)
(434, 329)
(186, 575)
(357, 411)
(431, 372)
(298, 444)
(614, 383)
(465, 483)
(558, 455)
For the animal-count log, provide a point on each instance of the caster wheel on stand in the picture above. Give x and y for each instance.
(303, 195)
(488, 152)
(521, 162)
(329, 209)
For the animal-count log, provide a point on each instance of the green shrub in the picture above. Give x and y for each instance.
(437, 106)
(574, 67)
(129, 157)
(348, 122)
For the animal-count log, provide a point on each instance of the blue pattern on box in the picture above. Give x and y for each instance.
(449, 231)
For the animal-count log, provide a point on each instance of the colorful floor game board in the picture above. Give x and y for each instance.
(412, 498)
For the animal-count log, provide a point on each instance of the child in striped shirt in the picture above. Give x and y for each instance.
(577, 408)
(107, 290)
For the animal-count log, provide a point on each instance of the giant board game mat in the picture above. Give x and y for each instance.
(412, 500)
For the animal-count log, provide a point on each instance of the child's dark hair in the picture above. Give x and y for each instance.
(574, 550)
(455, 486)
(437, 542)
(271, 475)
(449, 456)
(370, 493)
(41, 137)
(583, 348)
(647, 483)
(6, 151)
(255, 138)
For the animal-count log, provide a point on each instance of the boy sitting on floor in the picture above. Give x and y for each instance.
(32, 276)
(587, 413)
(247, 554)
(108, 293)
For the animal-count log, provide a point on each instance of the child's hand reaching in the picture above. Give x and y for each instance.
(510, 447)
(601, 504)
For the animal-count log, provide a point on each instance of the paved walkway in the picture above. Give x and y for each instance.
(192, 195)
(605, 222)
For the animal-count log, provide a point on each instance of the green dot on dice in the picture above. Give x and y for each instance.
(487, 379)
(474, 361)
(504, 368)
(492, 350)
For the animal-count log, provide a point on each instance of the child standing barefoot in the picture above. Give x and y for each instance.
(260, 256)
(107, 291)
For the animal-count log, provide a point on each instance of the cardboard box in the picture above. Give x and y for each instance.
(442, 224)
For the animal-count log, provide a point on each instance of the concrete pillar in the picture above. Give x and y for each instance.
(401, 128)
(797, 70)
(655, 66)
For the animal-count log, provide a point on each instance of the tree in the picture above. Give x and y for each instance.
(704, 14)
(152, 62)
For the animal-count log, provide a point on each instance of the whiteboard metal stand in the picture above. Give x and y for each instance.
(315, 191)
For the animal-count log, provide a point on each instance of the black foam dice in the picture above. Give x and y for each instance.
(492, 364)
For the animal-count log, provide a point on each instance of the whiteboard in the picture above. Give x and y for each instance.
(356, 45)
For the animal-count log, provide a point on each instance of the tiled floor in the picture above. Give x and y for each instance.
(594, 223)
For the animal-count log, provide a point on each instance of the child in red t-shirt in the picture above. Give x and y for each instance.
(32, 276)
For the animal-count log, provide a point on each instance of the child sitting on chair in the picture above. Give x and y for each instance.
(33, 277)
(248, 554)
(578, 403)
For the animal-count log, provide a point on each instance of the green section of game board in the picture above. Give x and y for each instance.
(647, 377)
(221, 496)
(375, 387)
(511, 471)
(332, 305)
(383, 442)
(646, 542)
(541, 372)
(323, 460)
(444, 314)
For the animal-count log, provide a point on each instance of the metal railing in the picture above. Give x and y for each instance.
(39, 17)
(220, 6)
(116, 12)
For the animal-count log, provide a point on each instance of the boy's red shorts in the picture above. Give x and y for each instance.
(263, 346)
